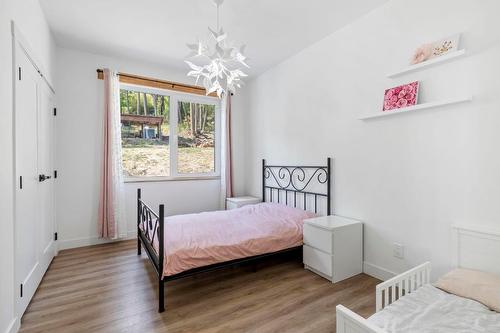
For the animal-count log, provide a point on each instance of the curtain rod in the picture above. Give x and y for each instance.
(133, 76)
(157, 83)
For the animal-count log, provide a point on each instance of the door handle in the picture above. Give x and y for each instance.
(42, 178)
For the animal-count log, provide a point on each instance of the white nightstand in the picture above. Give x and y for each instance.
(333, 247)
(237, 202)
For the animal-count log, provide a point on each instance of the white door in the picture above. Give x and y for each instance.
(46, 174)
(34, 202)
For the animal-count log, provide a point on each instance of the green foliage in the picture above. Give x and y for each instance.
(134, 102)
(195, 120)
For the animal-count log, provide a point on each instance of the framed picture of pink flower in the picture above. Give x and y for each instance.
(401, 96)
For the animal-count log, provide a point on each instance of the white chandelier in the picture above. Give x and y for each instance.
(218, 62)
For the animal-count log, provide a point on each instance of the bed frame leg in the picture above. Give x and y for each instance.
(161, 296)
(161, 244)
(138, 221)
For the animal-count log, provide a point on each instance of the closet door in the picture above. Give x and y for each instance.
(46, 173)
(34, 199)
(27, 219)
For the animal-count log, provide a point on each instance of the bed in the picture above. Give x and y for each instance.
(409, 303)
(184, 245)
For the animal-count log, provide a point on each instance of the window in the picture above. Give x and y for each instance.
(145, 119)
(196, 138)
(168, 134)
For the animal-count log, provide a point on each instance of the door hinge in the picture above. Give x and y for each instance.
(19, 73)
(55, 174)
(55, 236)
(21, 290)
(21, 182)
(55, 112)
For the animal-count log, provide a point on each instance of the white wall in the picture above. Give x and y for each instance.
(79, 144)
(409, 177)
(30, 20)
(239, 131)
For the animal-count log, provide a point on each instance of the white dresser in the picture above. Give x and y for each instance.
(237, 202)
(333, 247)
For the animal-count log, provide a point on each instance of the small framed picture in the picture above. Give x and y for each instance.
(401, 96)
(444, 46)
(436, 49)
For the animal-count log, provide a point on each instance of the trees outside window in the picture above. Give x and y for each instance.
(159, 143)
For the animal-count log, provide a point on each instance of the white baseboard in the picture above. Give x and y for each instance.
(14, 326)
(377, 271)
(64, 244)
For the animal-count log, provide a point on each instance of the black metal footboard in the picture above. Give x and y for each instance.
(150, 229)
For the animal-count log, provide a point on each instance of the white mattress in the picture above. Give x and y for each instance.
(431, 310)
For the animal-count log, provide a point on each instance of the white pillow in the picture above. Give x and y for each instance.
(476, 285)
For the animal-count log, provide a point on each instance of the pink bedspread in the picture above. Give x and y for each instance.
(196, 240)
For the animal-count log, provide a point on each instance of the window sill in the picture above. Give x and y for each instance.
(168, 179)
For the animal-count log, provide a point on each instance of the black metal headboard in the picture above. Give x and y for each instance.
(291, 184)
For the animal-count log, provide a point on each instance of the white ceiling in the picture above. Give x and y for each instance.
(157, 30)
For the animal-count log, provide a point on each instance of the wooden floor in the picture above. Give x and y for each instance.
(108, 288)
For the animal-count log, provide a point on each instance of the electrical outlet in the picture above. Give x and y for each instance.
(398, 250)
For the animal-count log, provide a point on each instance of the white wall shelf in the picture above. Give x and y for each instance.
(416, 108)
(428, 63)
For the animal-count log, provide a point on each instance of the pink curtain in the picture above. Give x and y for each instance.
(228, 154)
(109, 207)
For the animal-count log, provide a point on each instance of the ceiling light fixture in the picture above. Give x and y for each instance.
(219, 63)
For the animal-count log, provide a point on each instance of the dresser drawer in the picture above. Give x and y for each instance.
(318, 238)
(318, 260)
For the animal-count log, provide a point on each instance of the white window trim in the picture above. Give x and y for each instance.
(174, 98)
